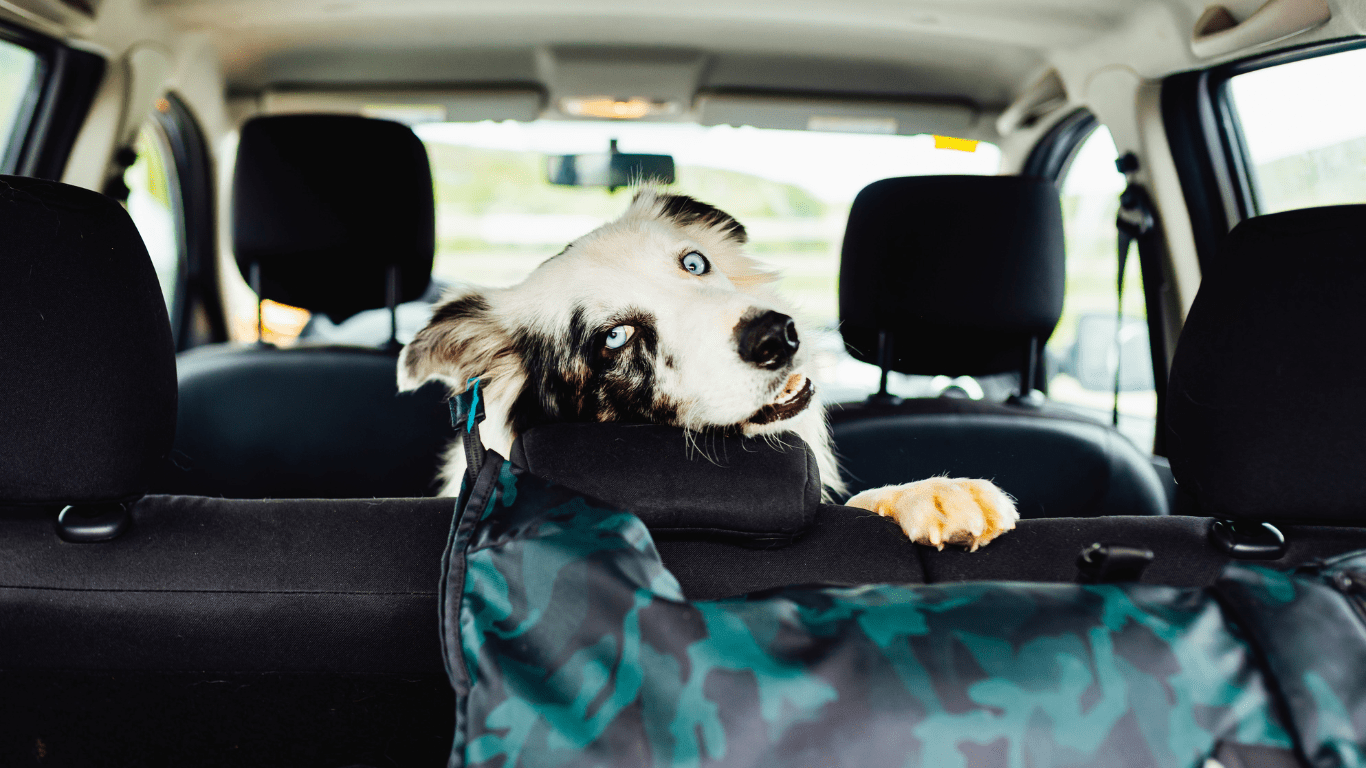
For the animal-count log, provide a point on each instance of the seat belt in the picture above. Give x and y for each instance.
(1135, 219)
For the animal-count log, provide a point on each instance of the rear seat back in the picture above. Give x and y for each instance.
(963, 276)
(303, 632)
(333, 214)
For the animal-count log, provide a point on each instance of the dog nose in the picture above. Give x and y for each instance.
(769, 340)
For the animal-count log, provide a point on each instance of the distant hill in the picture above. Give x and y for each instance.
(473, 181)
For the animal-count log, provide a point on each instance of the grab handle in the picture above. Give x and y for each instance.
(1217, 33)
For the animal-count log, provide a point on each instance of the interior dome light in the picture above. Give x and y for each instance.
(613, 108)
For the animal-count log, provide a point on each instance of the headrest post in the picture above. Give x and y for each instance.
(884, 361)
(392, 287)
(1029, 395)
(1029, 372)
(255, 273)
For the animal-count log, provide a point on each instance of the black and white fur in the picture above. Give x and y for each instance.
(651, 318)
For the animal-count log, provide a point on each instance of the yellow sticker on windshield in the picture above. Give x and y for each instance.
(949, 142)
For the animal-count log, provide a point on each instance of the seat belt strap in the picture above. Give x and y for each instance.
(1135, 219)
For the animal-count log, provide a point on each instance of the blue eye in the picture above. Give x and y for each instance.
(619, 336)
(695, 263)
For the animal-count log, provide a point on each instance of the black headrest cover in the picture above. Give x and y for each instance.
(960, 271)
(744, 489)
(87, 365)
(1267, 396)
(325, 204)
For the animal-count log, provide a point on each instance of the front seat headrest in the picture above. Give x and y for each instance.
(87, 364)
(1266, 404)
(325, 205)
(958, 272)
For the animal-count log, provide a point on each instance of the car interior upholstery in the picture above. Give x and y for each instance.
(325, 420)
(216, 551)
(930, 285)
(201, 609)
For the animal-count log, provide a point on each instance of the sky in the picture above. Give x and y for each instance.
(831, 166)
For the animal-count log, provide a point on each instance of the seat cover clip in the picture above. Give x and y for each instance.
(87, 523)
(1112, 563)
(1244, 540)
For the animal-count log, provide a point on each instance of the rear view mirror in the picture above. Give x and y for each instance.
(1094, 355)
(612, 169)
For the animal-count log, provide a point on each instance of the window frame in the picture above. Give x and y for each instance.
(1051, 158)
(13, 149)
(1208, 145)
(197, 317)
(59, 99)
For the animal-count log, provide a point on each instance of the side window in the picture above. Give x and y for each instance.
(155, 205)
(19, 69)
(1304, 124)
(1083, 353)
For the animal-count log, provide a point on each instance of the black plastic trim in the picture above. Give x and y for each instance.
(1244, 540)
(68, 82)
(1053, 155)
(1193, 132)
(197, 295)
(13, 149)
(91, 523)
(1207, 141)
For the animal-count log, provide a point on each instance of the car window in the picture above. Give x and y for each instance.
(498, 216)
(1082, 352)
(18, 74)
(155, 206)
(1304, 124)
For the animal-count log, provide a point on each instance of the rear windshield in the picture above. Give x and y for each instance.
(498, 216)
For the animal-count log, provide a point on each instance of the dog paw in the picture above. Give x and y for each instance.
(943, 510)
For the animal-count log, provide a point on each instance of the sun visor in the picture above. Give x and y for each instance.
(426, 105)
(848, 114)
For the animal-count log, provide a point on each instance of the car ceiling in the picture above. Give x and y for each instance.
(982, 50)
(980, 55)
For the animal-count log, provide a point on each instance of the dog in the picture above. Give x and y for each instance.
(661, 317)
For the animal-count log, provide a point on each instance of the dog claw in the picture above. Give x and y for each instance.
(941, 511)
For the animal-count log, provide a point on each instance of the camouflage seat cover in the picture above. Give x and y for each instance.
(569, 644)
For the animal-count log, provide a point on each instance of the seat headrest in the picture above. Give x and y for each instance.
(326, 204)
(742, 489)
(959, 272)
(87, 364)
(1266, 404)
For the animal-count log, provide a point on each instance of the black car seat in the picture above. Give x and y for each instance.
(333, 214)
(1267, 395)
(179, 630)
(963, 276)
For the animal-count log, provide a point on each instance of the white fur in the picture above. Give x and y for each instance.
(633, 262)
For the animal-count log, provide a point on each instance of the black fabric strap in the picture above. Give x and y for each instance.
(1135, 219)
(467, 410)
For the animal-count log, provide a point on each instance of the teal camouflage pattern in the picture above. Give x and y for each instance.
(1311, 628)
(569, 644)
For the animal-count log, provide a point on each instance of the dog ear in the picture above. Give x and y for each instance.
(461, 341)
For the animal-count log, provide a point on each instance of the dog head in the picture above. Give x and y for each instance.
(656, 317)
